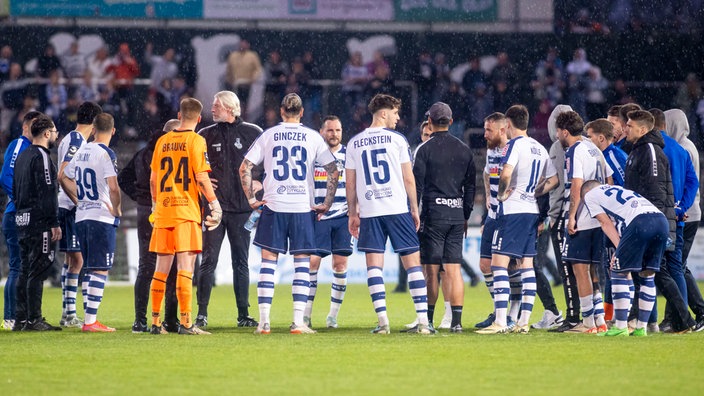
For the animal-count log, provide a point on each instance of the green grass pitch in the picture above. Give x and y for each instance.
(343, 361)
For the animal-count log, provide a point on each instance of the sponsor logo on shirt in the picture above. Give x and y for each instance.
(22, 219)
(454, 203)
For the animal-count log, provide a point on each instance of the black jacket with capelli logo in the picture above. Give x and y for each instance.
(35, 189)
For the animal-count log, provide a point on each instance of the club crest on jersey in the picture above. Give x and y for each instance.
(238, 144)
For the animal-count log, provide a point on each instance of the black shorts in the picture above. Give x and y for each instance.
(441, 243)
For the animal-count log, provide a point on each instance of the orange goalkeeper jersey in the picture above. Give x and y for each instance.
(178, 157)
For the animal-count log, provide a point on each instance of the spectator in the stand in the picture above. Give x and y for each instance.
(87, 90)
(276, 75)
(73, 62)
(480, 104)
(29, 103)
(457, 101)
(504, 97)
(596, 86)
(271, 118)
(298, 78)
(548, 82)
(620, 94)
(12, 93)
(98, 65)
(56, 97)
(354, 78)
(125, 69)
(473, 76)
(6, 59)
(540, 121)
(442, 79)
(577, 72)
(378, 61)
(163, 66)
(312, 102)
(505, 72)
(585, 24)
(179, 89)
(381, 82)
(48, 62)
(688, 96)
(425, 78)
(110, 103)
(243, 69)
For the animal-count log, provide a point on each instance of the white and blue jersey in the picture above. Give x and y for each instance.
(493, 169)
(90, 167)
(531, 163)
(583, 160)
(620, 204)
(616, 159)
(8, 168)
(67, 149)
(376, 155)
(339, 205)
(289, 152)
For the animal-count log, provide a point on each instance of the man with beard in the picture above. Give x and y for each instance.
(35, 190)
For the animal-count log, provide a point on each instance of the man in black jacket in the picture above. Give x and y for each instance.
(648, 174)
(35, 190)
(228, 141)
(134, 181)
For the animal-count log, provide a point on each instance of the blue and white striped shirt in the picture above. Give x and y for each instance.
(339, 205)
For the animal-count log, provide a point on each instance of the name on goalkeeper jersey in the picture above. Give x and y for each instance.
(369, 141)
(297, 136)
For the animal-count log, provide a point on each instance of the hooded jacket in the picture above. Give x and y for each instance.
(677, 127)
(684, 180)
(648, 174)
(557, 156)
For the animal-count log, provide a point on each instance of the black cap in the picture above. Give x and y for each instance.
(440, 113)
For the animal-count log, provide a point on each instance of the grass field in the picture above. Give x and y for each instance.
(348, 360)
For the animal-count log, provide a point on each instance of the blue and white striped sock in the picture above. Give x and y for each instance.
(632, 291)
(646, 300)
(501, 294)
(528, 297)
(70, 292)
(312, 290)
(64, 271)
(265, 289)
(586, 303)
(598, 309)
(84, 290)
(489, 282)
(301, 288)
(375, 283)
(419, 293)
(96, 286)
(621, 288)
(514, 299)
(337, 292)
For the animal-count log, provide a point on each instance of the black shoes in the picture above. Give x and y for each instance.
(699, 326)
(171, 327)
(40, 325)
(140, 326)
(566, 325)
(247, 321)
(201, 321)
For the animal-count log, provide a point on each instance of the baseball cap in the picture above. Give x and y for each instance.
(439, 112)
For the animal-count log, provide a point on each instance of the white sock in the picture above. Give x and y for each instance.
(587, 306)
(301, 288)
(265, 289)
(313, 289)
(95, 297)
(375, 283)
(337, 292)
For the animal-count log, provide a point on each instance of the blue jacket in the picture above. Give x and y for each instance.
(8, 168)
(684, 179)
(616, 158)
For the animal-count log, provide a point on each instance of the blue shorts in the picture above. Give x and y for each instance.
(97, 241)
(642, 244)
(487, 236)
(584, 247)
(333, 237)
(441, 243)
(516, 235)
(399, 228)
(69, 239)
(286, 232)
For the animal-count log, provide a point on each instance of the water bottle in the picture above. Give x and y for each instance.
(253, 219)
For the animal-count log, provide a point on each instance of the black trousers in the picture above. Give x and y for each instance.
(542, 284)
(681, 319)
(37, 257)
(569, 282)
(145, 272)
(694, 295)
(233, 224)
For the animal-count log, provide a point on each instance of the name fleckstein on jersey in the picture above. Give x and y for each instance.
(372, 140)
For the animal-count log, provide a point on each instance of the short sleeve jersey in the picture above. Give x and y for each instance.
(531, 162)
(376, 155)
(67, 149)
(289, 152)
(620, 204)
(178, 157)
(493, 168)
(339, 205)
(583, 160)
(90, 167)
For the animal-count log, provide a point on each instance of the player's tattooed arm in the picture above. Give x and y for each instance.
(546, 185)
(331, 189)
(505, 182)
(246, 182)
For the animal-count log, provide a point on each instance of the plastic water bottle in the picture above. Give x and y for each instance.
(253, 219)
